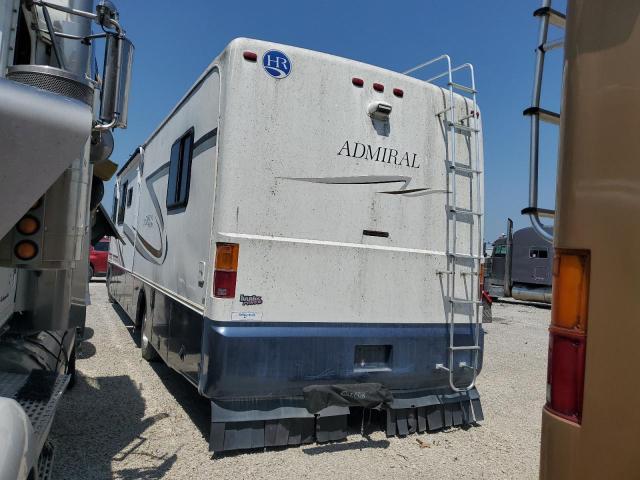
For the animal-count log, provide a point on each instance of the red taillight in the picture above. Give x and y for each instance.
(398, 92)
(378, 87)
(226, 270)
(224, 284)
(250, 56)
(568, 334)
(358, 82)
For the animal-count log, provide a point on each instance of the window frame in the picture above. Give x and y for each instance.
(129, 196)
(175, 184)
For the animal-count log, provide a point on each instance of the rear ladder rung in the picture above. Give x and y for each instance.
(556, 18)
(543, 114)
(465, 347)
(464, 255)
(464, 128)
(464, 88)
(464, 301)
(463, 168)
(464, 211)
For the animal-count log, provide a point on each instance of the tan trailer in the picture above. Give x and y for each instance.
(590, 423)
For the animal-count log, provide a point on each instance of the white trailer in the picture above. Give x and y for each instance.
(301, 235)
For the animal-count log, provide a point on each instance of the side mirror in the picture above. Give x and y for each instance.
(118, 61)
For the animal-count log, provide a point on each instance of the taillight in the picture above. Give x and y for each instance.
(568, 334)
(226, 270)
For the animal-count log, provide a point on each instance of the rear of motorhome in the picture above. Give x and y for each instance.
(301, 235)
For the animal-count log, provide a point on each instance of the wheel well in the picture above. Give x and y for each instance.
(141, 307)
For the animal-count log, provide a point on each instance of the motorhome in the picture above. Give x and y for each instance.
(301, 235)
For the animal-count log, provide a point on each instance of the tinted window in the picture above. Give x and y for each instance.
(538, 253)
(129, 196)
(180, 171)
(121, 209)
(101, 247)
(500, 251)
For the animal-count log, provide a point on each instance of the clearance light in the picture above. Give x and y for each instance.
(28, 225)
(358, 82)
(378, 87)
(250, 56)
(568, 334)
(226, 270)
(26, 250)
(398, 92)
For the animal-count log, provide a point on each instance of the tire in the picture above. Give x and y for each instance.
(91, 272)
(146, 349)
(487, 316)
(71, 370)
(108, 282)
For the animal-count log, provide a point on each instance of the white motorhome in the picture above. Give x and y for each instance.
(304, 231)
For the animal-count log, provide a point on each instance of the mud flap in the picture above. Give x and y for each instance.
(244, 429)
(433, 412)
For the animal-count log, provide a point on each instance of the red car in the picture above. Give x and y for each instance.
(98, 255)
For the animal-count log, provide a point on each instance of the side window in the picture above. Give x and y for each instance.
(180, 171)
(114, 207)
(121, 203)
(129, 196)
(538, 252)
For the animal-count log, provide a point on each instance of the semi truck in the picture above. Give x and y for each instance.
(57, 113)
(302, 235)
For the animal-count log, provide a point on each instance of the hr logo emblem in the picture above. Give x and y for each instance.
(276, 64)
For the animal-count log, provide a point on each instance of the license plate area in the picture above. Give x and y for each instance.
(372, 358)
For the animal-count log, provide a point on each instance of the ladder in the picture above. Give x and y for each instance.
(548, 16)
(467, 124)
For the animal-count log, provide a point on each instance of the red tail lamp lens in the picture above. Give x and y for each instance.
(398, 92)
(358, 82)
(250, 56)
(224, 284)
(565, 382)
(378, 87)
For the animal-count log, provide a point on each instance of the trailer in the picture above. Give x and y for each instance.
(302, 235)
(521, 266)
(56, 116)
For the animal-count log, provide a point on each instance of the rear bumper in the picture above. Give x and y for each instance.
(254, 361)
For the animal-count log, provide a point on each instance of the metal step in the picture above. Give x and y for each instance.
(463, 169)
(463, 128)
(552, 45)
(464, 255)
(544, 115)
(465, 347)
(541, 212)
(464, 211)
(556, 18)
(464, 301)
(463, 88)
(40, 412)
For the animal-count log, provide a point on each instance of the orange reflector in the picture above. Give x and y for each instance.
(227, 256)
(26, 250)
(570, 290)
(28, 225)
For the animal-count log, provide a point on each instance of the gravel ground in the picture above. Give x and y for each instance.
(127, 419)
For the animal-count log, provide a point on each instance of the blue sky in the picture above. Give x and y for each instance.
(174, 44)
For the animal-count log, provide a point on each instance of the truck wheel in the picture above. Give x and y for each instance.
(71, 370)
(146, 349)
(487, 316)
(108, 281)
